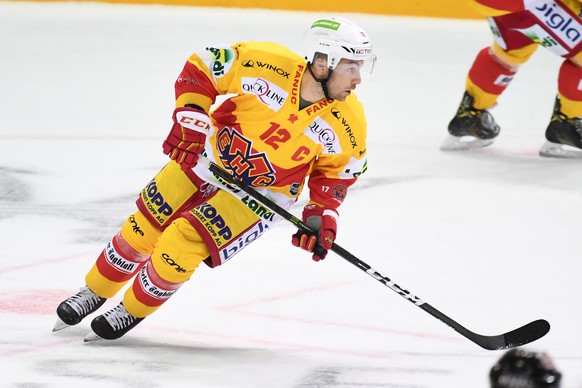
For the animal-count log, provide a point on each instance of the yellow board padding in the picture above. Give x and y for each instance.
(423, 8)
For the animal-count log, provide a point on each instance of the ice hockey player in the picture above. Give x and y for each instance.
(288, 122)
(519, 27)
(520, 368)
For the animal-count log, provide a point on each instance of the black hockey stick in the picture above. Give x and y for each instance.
(520, 336)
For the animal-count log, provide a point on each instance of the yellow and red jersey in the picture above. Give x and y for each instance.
(260, 133)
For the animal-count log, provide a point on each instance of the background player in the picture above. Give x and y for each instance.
(519, 27)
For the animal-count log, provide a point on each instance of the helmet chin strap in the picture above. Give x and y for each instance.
(322, 81)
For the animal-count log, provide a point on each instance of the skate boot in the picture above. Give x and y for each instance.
(564, 135)
(72, 310)
(470, 128)
(113, 324)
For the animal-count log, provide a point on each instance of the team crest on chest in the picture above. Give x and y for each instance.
(236, 153)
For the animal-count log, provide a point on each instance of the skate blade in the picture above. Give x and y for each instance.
(60, 325)
(92, 337)
(454, 143)
(563, 151)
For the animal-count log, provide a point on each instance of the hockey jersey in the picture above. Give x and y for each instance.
(504, 7)
(553, 24)
(260, 133)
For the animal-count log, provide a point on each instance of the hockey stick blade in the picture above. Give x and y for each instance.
(512, 339)
(518, 337)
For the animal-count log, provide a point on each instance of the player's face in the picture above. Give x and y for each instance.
(344, 78)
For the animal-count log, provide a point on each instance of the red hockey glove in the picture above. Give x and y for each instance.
(187, 136)
(324, 222)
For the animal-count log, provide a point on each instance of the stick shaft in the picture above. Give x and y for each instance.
(517, 337)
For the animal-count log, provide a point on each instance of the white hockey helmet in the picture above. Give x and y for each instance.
(339, 38)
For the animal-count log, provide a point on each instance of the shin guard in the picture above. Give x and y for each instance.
(118, 263)
(178, 253)
(487, 79)
(148, 292)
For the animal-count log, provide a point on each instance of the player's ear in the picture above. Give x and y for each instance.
(320, 66)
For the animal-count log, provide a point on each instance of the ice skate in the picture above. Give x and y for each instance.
(470, 128)
(72, 310)
(564, 136)
(113, 324)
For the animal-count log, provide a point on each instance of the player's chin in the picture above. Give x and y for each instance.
(342, 96)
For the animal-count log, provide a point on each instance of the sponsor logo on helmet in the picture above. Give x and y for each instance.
(358, 52)
(324, 23)
(363, 51)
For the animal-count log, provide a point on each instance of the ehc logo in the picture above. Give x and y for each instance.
(339, 192)
(236, 153)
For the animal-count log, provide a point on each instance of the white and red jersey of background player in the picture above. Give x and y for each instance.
(553, 24)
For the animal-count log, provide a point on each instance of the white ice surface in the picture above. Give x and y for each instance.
(491, 237)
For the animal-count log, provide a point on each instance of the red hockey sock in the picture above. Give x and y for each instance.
(570, 81)
(570, 89)
(488, 78)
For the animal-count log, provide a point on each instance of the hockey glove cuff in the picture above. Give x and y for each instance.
(186, 139)
(323, 221)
